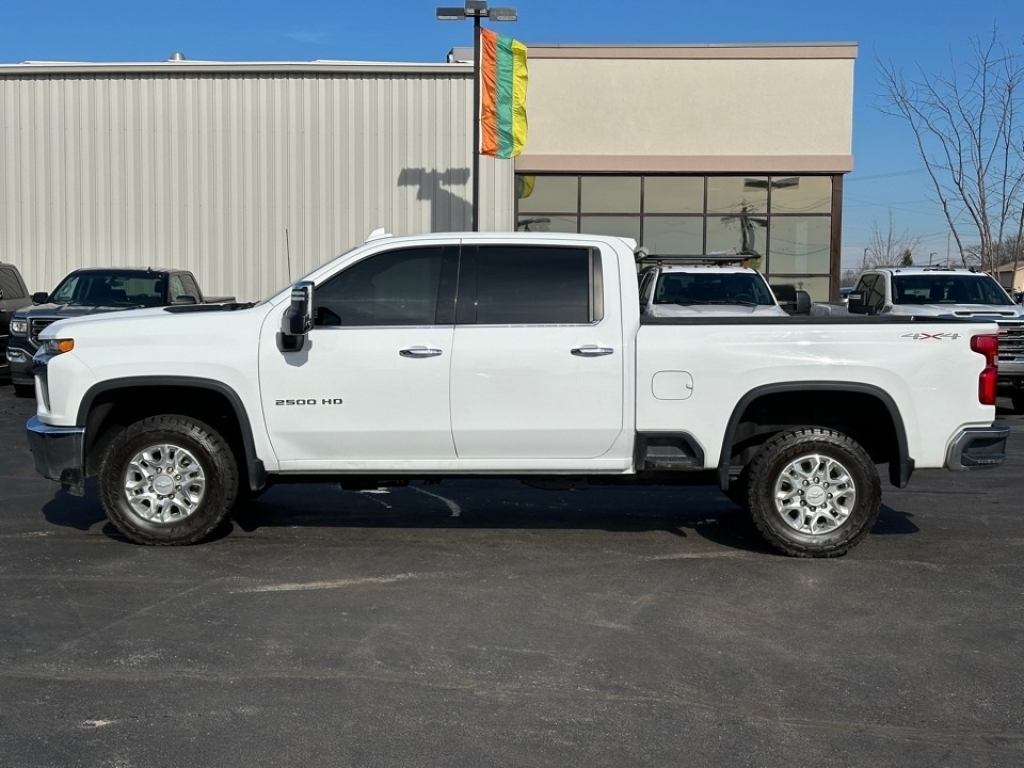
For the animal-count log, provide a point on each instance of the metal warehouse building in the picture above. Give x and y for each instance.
(252, 174)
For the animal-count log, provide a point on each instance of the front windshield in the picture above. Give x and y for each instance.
(941, 288)
(111, 289)
(747, 288)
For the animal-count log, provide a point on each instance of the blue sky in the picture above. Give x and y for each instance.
(887, 174)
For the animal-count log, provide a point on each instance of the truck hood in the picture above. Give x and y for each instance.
(147, 323)
(61, 311)
(979, 311)
(716, 310)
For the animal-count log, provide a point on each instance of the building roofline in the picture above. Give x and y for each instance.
(322, 66)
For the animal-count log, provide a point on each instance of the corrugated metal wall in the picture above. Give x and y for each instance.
(209, 170)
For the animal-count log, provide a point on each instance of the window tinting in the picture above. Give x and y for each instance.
(547, 193)
(800, 245)
(801, 194)
(674, 194)
(10, 284)
(610, 194)
(532, 285)
(393, 288)
(678, 235)
(619, 226)
(784, 219)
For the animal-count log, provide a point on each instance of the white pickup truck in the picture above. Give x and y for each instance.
(506, 355)
(944, 292)
(706, 285)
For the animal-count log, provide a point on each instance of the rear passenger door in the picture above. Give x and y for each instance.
(537, 360)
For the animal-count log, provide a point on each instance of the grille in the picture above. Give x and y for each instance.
(36, 328)
(1011, 341)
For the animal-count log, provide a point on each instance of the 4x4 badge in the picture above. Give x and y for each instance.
(939, 336)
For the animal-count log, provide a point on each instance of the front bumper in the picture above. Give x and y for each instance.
(19, 357)
(979, 447)
(59, 453)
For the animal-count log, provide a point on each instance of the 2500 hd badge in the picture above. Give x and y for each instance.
(311, 401)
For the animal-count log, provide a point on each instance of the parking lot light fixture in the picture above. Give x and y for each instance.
(476, 10)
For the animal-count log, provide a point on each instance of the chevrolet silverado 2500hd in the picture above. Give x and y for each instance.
(519, 355)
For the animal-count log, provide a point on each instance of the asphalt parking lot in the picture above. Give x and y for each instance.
(490, 624)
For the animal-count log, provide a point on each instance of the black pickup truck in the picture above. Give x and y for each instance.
(13, 296)
(91, 291)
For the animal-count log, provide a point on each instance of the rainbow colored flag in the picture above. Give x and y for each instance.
(503, 80)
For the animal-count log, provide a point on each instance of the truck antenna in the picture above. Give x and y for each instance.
(288, 254)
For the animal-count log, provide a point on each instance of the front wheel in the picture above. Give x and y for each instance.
(168, 480)
(814, 492)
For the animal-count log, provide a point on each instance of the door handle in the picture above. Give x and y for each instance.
(591, 350)
(419, 352)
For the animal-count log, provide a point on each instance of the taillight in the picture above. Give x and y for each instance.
(988, 381)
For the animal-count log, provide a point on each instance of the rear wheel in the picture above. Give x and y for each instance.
(168, 480)
(814, 492)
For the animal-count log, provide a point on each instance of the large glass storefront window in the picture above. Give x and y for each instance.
(784, 222)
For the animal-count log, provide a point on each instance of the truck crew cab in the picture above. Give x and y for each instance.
(510, 355)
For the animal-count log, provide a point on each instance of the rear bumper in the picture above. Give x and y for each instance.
(979, 447)
(59, 453)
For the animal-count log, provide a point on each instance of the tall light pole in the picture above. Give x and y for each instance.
(476, 10)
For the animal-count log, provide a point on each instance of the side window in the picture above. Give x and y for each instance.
(394, 288)
(68, 291)
(874, 293)
(175, 288)
(647, 280)
(188, 285)
(532, 285)
(10, 286)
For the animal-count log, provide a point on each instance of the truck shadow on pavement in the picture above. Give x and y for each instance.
(681, 512)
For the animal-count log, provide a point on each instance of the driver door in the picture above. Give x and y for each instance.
(371, 381)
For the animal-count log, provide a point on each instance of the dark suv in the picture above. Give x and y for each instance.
(13, 295)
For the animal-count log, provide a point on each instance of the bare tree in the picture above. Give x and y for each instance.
(889, 248)
(968, 125)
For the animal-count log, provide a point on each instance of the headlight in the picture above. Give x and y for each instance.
(19, 327)
(58, 346)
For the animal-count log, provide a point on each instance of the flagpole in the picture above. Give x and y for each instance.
(475, 226)
(477, 9)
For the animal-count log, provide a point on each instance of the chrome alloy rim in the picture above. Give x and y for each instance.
(814, 494)
(164, 483)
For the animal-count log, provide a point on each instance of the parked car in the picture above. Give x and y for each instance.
(13, 296)
(91, 291)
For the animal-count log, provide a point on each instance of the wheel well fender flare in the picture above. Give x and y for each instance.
(257, 472)
(899, 472)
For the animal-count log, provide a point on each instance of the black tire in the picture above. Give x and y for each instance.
(159, 511)
(842, 478)
(24, 390)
